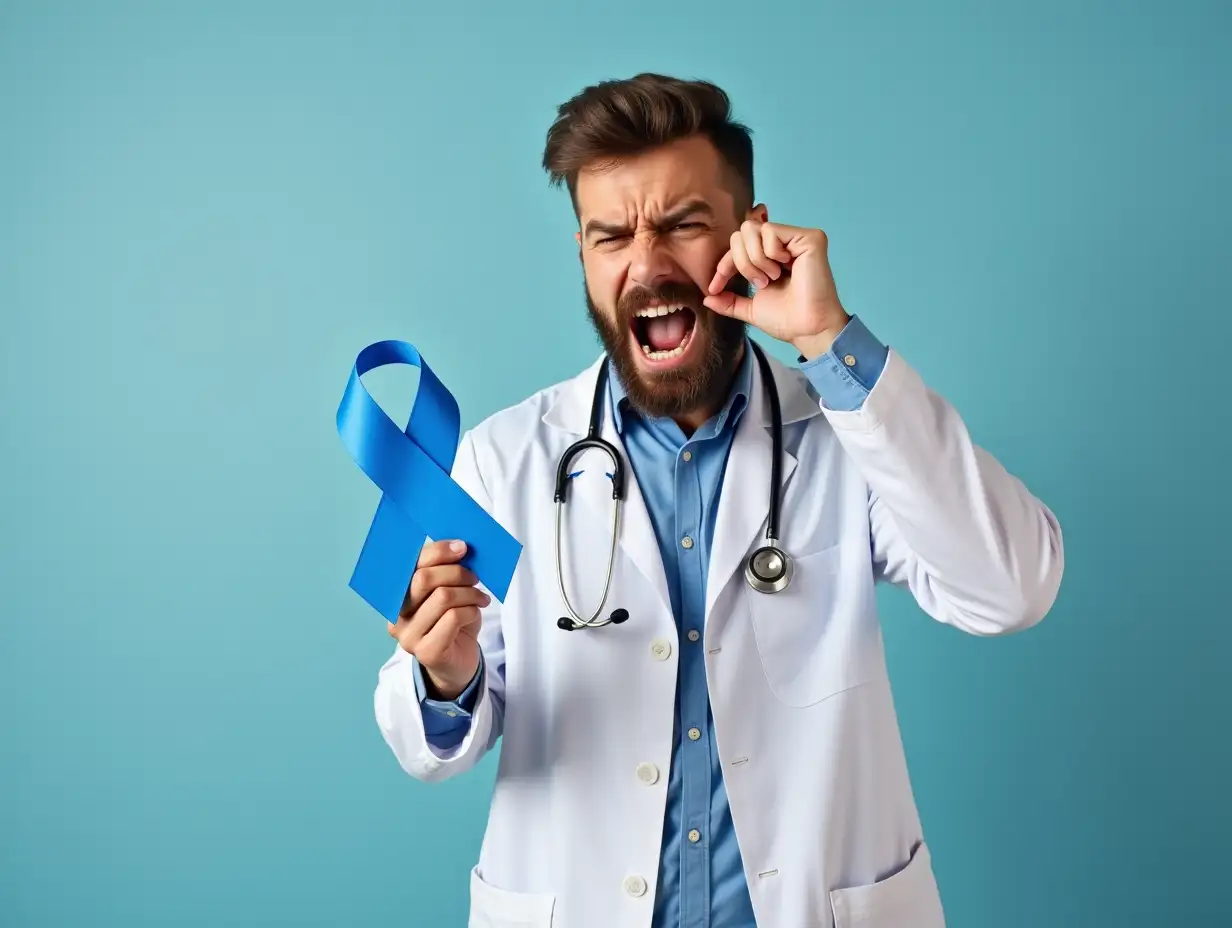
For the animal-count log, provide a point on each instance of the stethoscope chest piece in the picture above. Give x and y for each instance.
(768, 569)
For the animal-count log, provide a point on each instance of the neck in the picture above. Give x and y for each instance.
(694, 419)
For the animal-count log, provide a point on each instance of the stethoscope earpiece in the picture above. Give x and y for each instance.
(564, 623)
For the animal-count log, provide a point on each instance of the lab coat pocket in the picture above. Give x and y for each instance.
(819, 636)
(492, 907)
(906, 899)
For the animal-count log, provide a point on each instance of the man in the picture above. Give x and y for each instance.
(723, 757)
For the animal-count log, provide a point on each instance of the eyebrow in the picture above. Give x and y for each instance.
(688, 208)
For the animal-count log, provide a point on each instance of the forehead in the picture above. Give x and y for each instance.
(654, 181)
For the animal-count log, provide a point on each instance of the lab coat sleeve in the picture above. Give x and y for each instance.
(976, 549)
(399, 713)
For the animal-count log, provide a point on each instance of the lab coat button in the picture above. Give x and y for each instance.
(648, 773)
(635, 886)
(660, 649)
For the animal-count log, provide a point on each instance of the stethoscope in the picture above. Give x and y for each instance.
(768, 569)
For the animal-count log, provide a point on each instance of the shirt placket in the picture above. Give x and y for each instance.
(694, 715)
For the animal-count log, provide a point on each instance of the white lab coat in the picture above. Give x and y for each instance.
(803, 714)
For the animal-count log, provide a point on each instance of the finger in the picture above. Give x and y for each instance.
(723, 273)
(440, 601)
(750, 271)
(750, 233)
(795, 240)
(772, 242)
(427, 579)
(731, 304)
(413, 627)
(460, 620)
(441, 552)
(430, 555)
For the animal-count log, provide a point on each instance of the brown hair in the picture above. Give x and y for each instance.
(619, 118)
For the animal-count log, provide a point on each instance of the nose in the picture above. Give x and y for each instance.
(650, 261)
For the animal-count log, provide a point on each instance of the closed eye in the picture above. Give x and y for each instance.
(688, 227)
(677, 227)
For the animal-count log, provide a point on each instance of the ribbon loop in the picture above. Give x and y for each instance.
(419, 498)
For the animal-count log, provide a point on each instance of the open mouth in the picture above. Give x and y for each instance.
(663, 332)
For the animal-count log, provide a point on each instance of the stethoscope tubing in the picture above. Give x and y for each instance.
(594, 440)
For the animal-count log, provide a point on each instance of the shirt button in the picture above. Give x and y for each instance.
(693, 634)
(695, 835)
(694, 734)
(648, 774)
(688, 455)
(635, 886)
(451, 714)
(849, 360)
(660, 649)
(686, 542)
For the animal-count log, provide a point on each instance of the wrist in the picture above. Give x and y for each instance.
(445, 687)
(815, 345)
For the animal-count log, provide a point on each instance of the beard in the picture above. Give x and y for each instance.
(704, 382)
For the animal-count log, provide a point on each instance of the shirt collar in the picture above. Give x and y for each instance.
(737, 399)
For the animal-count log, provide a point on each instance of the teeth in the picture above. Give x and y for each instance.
(652, 311)
(665, 355)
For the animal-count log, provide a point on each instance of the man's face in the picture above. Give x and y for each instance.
(652, 231)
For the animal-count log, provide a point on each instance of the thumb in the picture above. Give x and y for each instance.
(730, 304)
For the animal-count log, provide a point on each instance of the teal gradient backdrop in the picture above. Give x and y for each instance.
(204, 215)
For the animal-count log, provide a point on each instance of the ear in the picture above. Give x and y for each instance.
(759, 213)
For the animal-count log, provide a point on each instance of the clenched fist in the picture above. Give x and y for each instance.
(796, 300)
(439, 619)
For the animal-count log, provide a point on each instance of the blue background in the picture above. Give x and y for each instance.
(205, 214)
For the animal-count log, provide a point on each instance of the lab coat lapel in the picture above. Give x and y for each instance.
(744, 503)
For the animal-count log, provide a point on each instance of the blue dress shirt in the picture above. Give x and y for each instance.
(701, 875)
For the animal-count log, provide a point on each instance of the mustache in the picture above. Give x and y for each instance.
(671, 291)
(683, 292)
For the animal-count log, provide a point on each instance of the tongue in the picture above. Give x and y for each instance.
(666, 332)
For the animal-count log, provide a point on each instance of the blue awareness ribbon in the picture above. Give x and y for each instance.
(419, 498)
